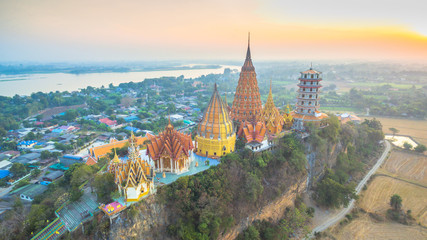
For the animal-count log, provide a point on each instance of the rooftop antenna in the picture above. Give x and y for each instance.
(311, 66)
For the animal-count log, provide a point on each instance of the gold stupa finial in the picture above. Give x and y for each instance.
(115, 158)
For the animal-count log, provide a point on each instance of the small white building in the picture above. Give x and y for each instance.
(176, 117)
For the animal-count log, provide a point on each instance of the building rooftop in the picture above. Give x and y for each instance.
(26, 158)
(33, 190)
(54, 175)
(4, 173)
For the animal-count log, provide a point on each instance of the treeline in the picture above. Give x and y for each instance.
(383, 101)
(16, 108)
(23, 222)
(208, 203)
(359, 141)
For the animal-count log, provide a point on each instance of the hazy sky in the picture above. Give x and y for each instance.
(111, 30)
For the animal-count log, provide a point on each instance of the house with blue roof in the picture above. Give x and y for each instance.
(131, 118)
(4, 173)
(132, 129)
(26, 144)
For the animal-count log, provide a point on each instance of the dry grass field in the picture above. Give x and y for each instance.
(376, 198)
(402, 173)
(364, 227)
(407, 165)
(414, 128)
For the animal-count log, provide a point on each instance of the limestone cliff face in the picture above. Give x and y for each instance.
(318, 162)
(151, 219)
(274, 211)
(150, 222)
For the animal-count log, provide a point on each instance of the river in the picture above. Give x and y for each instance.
(28, 83)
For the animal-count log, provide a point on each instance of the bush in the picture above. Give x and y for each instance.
(407, 146)
(420, 148)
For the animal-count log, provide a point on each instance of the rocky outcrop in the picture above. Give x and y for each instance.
(151, 218)
(273, 212)
(318, 162)
(150, 222)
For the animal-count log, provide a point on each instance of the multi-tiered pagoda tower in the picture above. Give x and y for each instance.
(307, 107)
(215, 134)
(247, 101)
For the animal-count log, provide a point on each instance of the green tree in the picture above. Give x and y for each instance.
(30, 136)
(251, 234)
(45, 154)
(394, 131)
(104, 186)
(35, 173)
(18, 170)
(421, 148)
(396, 202)
(407, 146)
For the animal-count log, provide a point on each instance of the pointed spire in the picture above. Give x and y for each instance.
(215, 88)
(270, 85)
(311, 66)
(248, 52)
(115, 158)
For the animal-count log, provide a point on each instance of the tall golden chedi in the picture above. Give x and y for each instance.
(271, 116)
(247, 101)
(215, 133)
(131, 176)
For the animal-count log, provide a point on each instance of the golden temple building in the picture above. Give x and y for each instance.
(287, 118)
(131, 176)
(247, 100)
(170, 150)
(270, 115)
(215, 133)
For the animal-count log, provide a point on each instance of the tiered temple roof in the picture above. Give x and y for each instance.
(215, 133)
(172, 145)
(271, 115)
(253, 131)
(287, 117)
(131, 176)
(247, 100)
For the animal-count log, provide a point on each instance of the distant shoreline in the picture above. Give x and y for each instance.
(26, 84)
(41, 69)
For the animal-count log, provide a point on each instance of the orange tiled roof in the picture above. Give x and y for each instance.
(102, 150)
(311, 71)
(253, 132)
(309, 117)
(169, 142)
(91, 161)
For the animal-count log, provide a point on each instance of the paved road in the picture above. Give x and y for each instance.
(331, 221)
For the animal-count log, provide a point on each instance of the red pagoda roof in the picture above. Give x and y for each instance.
(311, 71)
(169, 142)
